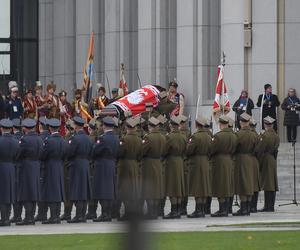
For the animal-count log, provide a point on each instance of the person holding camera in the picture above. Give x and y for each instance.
(291, 106)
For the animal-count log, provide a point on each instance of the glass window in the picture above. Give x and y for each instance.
(4, 18)
(4, 64)
(4, 47)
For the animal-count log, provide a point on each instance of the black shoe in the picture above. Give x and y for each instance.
(5, 223)
(223, 211)
(65, 217)
(52, 221)
(40, 217)
(103, 218)
(91, 216)
(15, 219)
(125, 217)
(199, 212)
(77, 220)
(243, 211)
(25, 222)
(174, 214)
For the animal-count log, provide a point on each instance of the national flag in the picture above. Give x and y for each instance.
(123, 89)
(88, 70)
(221, 103)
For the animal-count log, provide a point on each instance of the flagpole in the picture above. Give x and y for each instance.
(197, 108)
(223, 84)
(108, 85)
(261, 110)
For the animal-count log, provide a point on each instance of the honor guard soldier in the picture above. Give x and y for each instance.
(80, 149)
(17, 206)
(267, 149)
(128, 169)
(54, 153)
(42, 205)
(256, 175)
(175, 150)
(246, 143)
(31, 146)
(198, 153)
(8, 156)
(154, 144)
(105, 154)
(223, 147)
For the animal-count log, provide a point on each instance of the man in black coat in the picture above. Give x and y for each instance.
(105, 154)
(42, 205)
(31, 146)
(8, 155)
(13, 105)
(79, 152)
(270, 102)
(54, 153)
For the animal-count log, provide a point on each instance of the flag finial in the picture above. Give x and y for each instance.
(223, 58)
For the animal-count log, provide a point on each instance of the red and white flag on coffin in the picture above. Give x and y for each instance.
(136, 101)
(221, 103)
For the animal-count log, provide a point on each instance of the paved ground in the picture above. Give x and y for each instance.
(282, 214)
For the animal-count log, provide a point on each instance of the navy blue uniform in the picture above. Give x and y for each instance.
(54, 153)
(14, 108)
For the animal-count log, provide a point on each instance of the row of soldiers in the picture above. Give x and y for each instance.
(122, 164)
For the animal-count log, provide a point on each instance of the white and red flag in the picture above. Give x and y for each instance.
(221, 104)
(123, 89)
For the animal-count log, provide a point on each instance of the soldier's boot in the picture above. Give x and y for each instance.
(199, 211)
(116, 205)
(266, 202)
(253, 203)
(183, 210)
(92, 208)
(161, 207)
(208, 205)
(174, 212)
(42, 212)
(125, 216)
(272, 201)
(230, 204)
(29, 214)
(83, 211)
(67, 211)
(152, 210)
(243, 211)
(77, 217)
(17, 207)
(223, 210)
(5, 211)
(105, 212)
(54, 218)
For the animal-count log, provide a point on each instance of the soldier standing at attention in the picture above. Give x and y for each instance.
(128, 170)
(54, 153)
(8, 156)
(223, 147)
(152, 184)
(17, 206)
(198, 153)
(175, 150)
(80, 148)
(246, 143)
(31, 146)
(184, 129)
(256, 178)
(105, 154)
(267, 149)
(42, 205)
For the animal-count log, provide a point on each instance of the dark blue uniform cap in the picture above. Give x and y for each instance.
(43, 121)
(17, 123)
(6, 123)
(54, 123)
(29, 123)
(78, 120)
(108, 121)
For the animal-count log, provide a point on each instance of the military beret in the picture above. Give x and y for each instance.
(17, 123)
(92, 123)
(245, 117)
(162, 119)
(269, 120)
(54, 123)
(131, 122)
(115, 90)
(253, 122)
(29, 123)
(6, 123)
(201, 120)
(109, 121)
(162, 94)
(153, 121)
(78, 121)
(43, 121)
(175, 120)
(224, 119)
(182, 118)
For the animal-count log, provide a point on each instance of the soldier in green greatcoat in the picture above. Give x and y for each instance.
(174, 175)
(185, 130)
(154, 144)
(243, 178)
(223, 148)
(267, 149)
(128, 169)
(198, 153)
(256, 177)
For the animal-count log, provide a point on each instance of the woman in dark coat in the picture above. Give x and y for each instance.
(243, 104)
(291, 106)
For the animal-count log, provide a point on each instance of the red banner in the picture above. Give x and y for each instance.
(136, 101)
